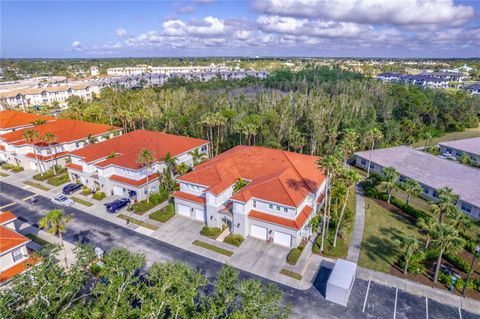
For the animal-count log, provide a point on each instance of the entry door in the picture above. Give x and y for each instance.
(183, 210)
(258, 232)
(282, 238)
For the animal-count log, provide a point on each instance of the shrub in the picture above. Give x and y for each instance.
(7, 166)
(431, 255)
(470, 246)
(212, 232)
(415, 265)
(155, 199)
(98, 195)
(293, 256)
(86, 191)
(445, 279)
(46, 175)
(457, 262)
(95, 270)
(17, 169)
(164, 214)
(235, 240)
(58, 180)
(476, 283)
(460, 283)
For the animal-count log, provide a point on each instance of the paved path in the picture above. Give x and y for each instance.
(357, 234)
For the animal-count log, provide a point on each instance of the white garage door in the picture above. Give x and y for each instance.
(183, 210)
(258, 232)
(282, 238)
(117, 191)
(200, 215)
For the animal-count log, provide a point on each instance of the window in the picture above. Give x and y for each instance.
(363, 161)
(466, 208)
(372, 165)
(285, 210)
(402, 178)
(277, 208)
(425, 189)
(435, 194)
(254, 203)
(270, 206)
(17, 254)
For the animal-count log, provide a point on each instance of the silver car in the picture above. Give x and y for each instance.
(62, 200)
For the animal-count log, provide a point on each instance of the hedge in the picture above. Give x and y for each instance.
(99, 195)
(17, 169)
(293, 256)
(445, 279)
(7, 166)
(163, 215)
(155, 199)
(212, 232)
(235, 240)
(58, 180)
(49, 174)
(457, 262)
(86, 191)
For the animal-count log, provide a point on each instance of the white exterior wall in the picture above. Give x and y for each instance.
(6, 258)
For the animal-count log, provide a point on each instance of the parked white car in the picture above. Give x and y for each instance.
(62, 200)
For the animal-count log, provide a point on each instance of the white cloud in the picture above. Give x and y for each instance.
(207, 26)
(396, 12)
(120, 32)
(76, 46)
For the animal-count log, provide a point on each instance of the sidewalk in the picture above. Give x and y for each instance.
(418, 289)
(357, 233)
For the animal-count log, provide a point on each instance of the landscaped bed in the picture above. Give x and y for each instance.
(145, 205)
(3, 174)
(58, 180)
(49, 174)
(163, 215)
(12, 168)
(235, 240)
(137, 222)
(211, 232)
(291, 274)
(81, 201)
(38, 240)
(213, 248)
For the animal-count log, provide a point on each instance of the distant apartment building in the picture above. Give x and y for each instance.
(11, 120)
(112, 166)
(433, 173)
(94, 71)
(433, 80)
(148, 69)
(468, 146)
(474, 88)
(70, 135)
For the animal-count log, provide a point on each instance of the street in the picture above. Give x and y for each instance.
(367, 300)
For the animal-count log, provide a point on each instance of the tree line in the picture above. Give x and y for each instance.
(307, 111)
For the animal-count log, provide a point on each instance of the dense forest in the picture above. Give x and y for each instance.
(307, 111)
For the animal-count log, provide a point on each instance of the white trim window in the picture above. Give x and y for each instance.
(17, 254)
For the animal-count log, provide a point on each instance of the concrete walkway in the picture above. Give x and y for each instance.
(357, 234)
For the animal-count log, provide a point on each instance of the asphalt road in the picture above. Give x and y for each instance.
(367, 300)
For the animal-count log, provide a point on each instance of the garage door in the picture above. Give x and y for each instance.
(117, 191)
(200, 215)
(258, 232)
(282, 238)
(183, 210)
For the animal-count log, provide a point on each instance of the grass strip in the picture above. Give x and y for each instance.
(137, 222)
(213, 248)
(291, 274)
(81, 201)
(38, 240)
(39, 186)
(3, 174)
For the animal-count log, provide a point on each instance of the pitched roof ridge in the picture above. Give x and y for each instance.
(296, 170)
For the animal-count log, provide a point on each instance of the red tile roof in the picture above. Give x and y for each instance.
(17, 269)
(47, 157)
(65, 131)
(6, 217)
(189, 197)
(74, 166)
(134, 182)
(2, 147)
(290, 223)
(278, 176)
(128, 146)
(10, 239)
(10, 119)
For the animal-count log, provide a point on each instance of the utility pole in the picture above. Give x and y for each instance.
(477, 250)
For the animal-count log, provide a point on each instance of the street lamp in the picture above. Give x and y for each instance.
(477, 250)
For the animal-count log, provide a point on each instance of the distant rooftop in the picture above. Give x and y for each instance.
(430, 170)
(469, 145)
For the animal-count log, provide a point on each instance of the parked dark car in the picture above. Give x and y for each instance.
(71, 188)
(2, 163)
(117, 204)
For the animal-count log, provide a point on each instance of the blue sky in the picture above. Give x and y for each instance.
(393, 28)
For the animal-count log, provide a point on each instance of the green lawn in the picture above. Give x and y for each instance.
(468, 133)
(163, 215)
(81, 201)
(213, 248)
(39, 186)
(382, 233)
(415, 201)
(3, 174)
(58, 180)
(138, 222)
(291, 274)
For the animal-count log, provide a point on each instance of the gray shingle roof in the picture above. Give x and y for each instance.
(470, 145)
(430, 170)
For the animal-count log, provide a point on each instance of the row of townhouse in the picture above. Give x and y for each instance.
(468, 146)
(11, 120)
(425, 79)
(112, 166)
(70, 135)
(148, 69)
(14, 255)
(431, 172)
(86, 90)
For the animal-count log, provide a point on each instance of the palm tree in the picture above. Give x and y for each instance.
(31, 136)
(169, 162)
(49, 139)
(197, 156)
(427, 226)
(348, 146)
(446, 202)
(91, 139)
(146, 159)
(373, 135)
(56, 221)
(350, 178)
(411, 187)
(411, 245)
(389, 181)
(459, 220)
(446, 239)
(427, 136)
(181, 169)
